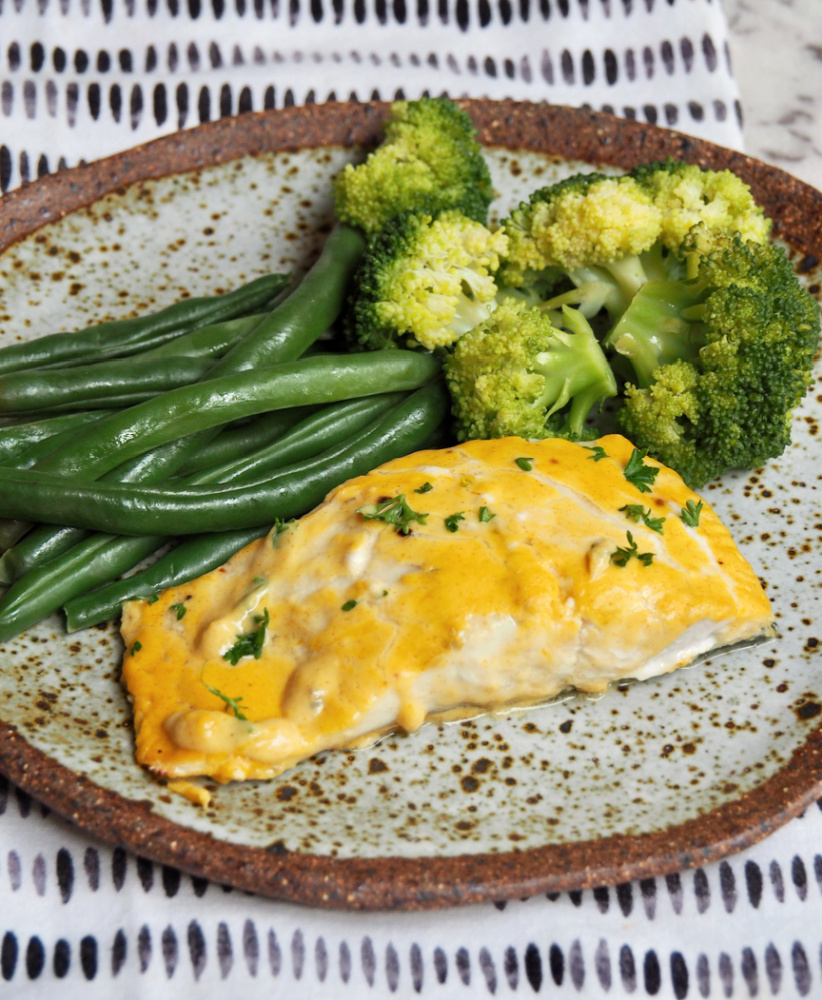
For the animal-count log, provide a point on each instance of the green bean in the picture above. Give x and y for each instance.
(191, 558)
(244, 437)
(141, 332)
(46, 542)
(211, 341)
(308, 311)
(17, 438)
(180, 412)
(180, 510)
(95, 386)
(401, 431)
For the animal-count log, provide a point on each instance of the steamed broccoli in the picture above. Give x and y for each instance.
(518, 374)
(722, 356)
(429, 160)
(423, 281)
(593, 240)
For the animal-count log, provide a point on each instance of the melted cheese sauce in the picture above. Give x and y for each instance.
(367, 629)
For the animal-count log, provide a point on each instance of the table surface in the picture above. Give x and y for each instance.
(81, 918)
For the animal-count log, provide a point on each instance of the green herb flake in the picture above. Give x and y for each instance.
(136, 647)
(690, 513)
(250, 643)
(280, 525)
(485, 515)
(598, 452)
(425, 488)
(639, 513)
(180, 609)
(153, 599)
(621, 556)
(452, 522)
(349, 605)
(638, 473)
(524, 463)
(394, 511)
(232, 703)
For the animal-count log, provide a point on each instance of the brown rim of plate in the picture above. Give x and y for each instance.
(416, 883)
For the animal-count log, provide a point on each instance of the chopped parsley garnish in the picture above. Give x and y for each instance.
(250, 643)
(394, 511)
(598, 452)
(639, 513)
(452, 522)
(349, 605)
(180, 609)
(524, 463)
(136, 647)
(280, 525)
(154, 599)
(621, 556)
(690, 513)
(232, 703)
(425, 488)
(637, 472)
(485, 515)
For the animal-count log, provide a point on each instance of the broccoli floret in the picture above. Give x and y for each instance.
(598, 239)
(721, 356)
(429, 160)
(589, 226)
(687, 195)
(423, 282)
(518, 374)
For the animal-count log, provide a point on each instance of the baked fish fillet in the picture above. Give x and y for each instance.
(528, 568)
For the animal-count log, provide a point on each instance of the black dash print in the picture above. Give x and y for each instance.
(533, 966)
(320, 959)
(703, 975)
(671, 114)
(510, 967)
(103, 61)
(440, 965)
(182, 104)
(225, 101)
(546, 67)
(269, 98)
(392, 968)
(115, 101)
(567, 64)
(801, 969)
(193, 56)
(119, 863)
(720, 111)
(602, 964)
(144, 947)
(727, 885)
(65, 874)
(251, 947)
(556, 963)
(38, 868)
(679, 975)
(119, 952)
(15, 870)
(627, 968)
(194, 9)
(42, 166)
(160, 104)
(773, 969)
(650, 113)
(667, 53)
(168, 946)
(575, 895)
(753, 882)
(630, 64)
(72, 100)
(368, 960)
(463, 964)
(6, 102)
(576, 965)
(726, 973)
(80, 61)
(686, 47)
(817, 870)
(484, 12)
(126, 61)
(625, 897)
(225, 955)
(35, 958)
(61, 963)
(8, 955)
(145, 872)
(88, 956)
(136, 105)
(196, 948)
(215, 56)
(173, 7)
(588, 68)
(14, 56)
(488, 970)
(93, 98)
(749, 970)
(37, 56)
(204, 105)
(275, 955)
(799, 877)
(171, 880)
(602, 898)
(611, 67)
(345, 963)
(702, 890)
(647, 888)
(651, 973)
(648, 61)
(709, 52)
(697, 111)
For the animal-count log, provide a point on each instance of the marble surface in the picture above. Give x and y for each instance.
(776, 53)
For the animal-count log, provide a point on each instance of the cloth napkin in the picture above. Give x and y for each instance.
(81, 79)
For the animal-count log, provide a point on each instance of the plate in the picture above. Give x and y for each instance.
(649, 779)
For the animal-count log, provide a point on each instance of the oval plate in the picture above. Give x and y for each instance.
(652, 778)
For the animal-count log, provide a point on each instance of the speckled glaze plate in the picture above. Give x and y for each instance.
(651, 778)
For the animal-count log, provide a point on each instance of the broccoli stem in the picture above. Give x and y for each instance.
(654, 331)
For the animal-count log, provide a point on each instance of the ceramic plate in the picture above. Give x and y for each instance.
(651, 778)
